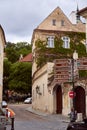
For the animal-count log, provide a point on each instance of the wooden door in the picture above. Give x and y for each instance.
(80, 100)
(59, 100)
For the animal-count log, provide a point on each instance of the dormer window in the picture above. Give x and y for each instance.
(54, 22)
(50, 41)
(66, 42)
(62, 23)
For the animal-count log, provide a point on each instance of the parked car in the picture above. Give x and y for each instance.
(78, 125)
(4, 104)
(28, 100)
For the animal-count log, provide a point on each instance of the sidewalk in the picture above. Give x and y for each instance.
(50, 116)
(36, 112)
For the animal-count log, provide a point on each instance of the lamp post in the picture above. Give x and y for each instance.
(74, 68)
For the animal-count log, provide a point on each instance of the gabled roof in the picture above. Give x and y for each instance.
(27, 58)
(83, 12)
(59, 16)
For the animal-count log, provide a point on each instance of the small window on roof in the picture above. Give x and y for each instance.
(62, 22)
(54, 22)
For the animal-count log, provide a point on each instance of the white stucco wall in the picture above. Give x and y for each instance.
(72, 17)
(39, 101)
(43, 102)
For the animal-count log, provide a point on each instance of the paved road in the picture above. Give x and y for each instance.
(26, 120)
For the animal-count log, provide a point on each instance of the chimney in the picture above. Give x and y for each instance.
(21, 57)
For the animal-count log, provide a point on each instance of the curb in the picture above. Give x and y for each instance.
(36, 112)
(44, 114)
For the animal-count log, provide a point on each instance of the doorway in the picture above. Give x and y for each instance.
(80, 103)
(58, 100)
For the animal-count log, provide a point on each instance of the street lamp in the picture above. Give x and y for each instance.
(75, 55)
(74, 69)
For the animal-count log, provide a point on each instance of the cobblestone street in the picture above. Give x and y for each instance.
(25, 120)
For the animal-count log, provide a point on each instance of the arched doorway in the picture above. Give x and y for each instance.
(80, 103)
(58, 99)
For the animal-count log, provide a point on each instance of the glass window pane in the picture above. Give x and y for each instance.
(50, 41)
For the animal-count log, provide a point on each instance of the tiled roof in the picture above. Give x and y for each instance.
(27, 58)
(82, 10)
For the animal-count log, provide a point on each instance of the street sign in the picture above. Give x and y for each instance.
(62, 70)
(66, 70)
(71, 94)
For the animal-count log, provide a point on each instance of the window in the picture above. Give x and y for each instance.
(66, 42)
(54, 22)
(62, 22)
(50, 42)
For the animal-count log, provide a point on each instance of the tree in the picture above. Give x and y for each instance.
(20, 77)
(7, 66)
(13, 50)
(17, 76)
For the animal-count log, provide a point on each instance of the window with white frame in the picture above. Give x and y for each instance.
(50, 41)
(66, 42)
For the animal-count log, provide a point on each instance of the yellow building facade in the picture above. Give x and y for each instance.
(47, 94)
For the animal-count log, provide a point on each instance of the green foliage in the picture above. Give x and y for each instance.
(6, 70)
(17, 76)
(7, 65)
(40, 49)
(82, 73)
(23, 48)
(44, 54)
(81, 50)
(20, 77)
(13, 51)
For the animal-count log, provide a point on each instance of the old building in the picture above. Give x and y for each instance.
(2, 43)
(54, 41)
(83, 12)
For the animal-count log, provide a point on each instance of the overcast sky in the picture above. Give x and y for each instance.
(19, 17)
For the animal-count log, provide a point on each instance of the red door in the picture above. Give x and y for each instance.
(58, 100)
